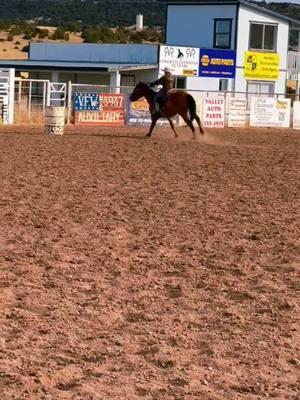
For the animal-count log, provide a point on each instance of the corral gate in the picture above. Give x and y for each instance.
(30, 99)
(33, 95)
(7, 81)
(58, 94)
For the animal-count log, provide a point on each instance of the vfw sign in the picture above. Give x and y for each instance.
(181, 61)
(99, 109)
(87, 101)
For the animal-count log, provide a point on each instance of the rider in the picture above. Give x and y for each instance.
(167, 82)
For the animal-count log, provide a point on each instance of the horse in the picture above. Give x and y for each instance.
(177, 102)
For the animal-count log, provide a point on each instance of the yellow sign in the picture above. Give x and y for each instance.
(262, 66)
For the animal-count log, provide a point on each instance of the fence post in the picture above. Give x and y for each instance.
(29, 101)
(48, 93)
(44, 96)
(69, 102)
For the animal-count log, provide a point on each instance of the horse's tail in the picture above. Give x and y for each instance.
(191, 106)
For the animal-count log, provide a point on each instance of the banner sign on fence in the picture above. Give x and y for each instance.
(270, 112)
(181, 61)
(261, 65)
(99, 109)
(138, 112)
(237, 113)
(217, 63)
(296, 115)
(214, 112)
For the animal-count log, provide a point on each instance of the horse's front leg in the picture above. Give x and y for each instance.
(154, 118)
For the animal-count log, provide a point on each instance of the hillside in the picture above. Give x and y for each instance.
(103, 12)
(57, 12)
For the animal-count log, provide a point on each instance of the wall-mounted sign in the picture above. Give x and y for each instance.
(181, 61)
(214, 112)
(99, 109)
(237, 113)
(217, 63)
(261, 66)
(270, 112)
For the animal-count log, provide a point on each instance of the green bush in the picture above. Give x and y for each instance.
(59, 34)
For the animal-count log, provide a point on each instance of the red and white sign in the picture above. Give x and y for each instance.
(112, 101)
(214, 112)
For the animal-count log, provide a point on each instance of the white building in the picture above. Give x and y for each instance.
(240, 26)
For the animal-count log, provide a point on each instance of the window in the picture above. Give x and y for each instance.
(223, 85)
(127, 80)
(180, 82)
(263, 36)
(261, 89)
(222, 33)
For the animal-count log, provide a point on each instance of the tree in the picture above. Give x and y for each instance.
(59, 33)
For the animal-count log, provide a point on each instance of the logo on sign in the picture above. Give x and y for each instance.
(261, 65)
(205, 60)
(87, 101)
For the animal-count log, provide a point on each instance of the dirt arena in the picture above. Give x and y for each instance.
(136, 268)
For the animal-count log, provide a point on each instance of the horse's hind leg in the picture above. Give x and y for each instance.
(173, 127)
(189, 123)
(199, 123)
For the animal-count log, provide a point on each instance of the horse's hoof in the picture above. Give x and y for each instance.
(148, 135)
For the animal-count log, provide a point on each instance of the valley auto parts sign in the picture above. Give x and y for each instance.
(181, 61)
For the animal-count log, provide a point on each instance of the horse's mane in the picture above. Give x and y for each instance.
(147, 87)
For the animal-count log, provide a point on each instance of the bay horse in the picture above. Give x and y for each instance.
(177, 102)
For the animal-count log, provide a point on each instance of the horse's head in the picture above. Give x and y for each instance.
(138, 92)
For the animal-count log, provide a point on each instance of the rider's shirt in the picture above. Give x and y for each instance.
(167, 82)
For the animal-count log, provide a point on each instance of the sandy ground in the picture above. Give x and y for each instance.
(135, 268)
